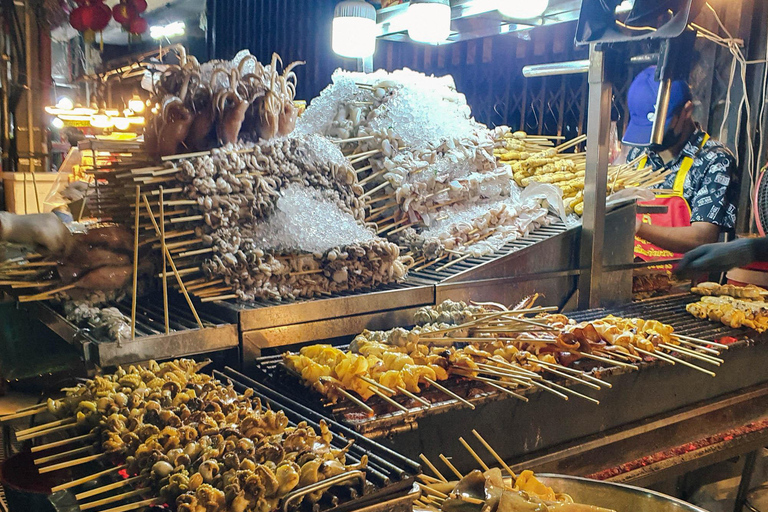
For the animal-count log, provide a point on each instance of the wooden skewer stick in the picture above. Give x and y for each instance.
(185, 155)
(453, 262)
(191, 218)
(134, 298)
(63, 442)
(307, 272)
(494, 384)
(429, 479)
(391, 402)
(606, 360)
(450, 466)
(656, 354)
(692, 353)
(699, 348)
(702, 342)
(375, 189)
(570, 144)
(401, 228)
(371, 177)
(80, 481)
(686, 363)
(450, 393)
(378, 385)
(41, 433)
(432, 490)
(474, 501)
(63, 455)
(352, 139)
(45, 426)
(205, 250)
(112, 499)
(71, 463)
(493, 452)
(23, 414)
(410, 395)
(134, 505)
(164, 249)
(433, 468)
(173, 265)
(474, 454)
(572, 392)
(550, 368)
(220, 297)
(47, 294)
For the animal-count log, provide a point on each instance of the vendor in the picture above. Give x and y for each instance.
(702, 182)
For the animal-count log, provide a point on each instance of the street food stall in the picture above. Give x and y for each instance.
(378, 298)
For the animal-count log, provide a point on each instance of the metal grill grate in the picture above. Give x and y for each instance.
(434, 275)
(671, 310)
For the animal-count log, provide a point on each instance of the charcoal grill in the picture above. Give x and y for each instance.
(525, 431)
(390, 476)
(186, 338)
(546, 261)
(387, 483)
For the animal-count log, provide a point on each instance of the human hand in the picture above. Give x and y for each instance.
(720, 257)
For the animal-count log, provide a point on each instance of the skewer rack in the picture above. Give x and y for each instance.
(185, 339)
(546, 261)
(552, 432)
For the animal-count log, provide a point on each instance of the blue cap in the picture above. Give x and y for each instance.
(641, 100)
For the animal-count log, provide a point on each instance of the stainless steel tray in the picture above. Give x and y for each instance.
(618, 497)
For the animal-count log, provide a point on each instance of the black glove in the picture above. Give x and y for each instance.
(723, 257)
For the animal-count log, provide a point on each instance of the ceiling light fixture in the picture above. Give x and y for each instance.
(522, 9)
(177, 28)
(354, 29)
(136, 104)
(65, 103)
(429, 21)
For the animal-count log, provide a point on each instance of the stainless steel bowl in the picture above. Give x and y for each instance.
(619, 497)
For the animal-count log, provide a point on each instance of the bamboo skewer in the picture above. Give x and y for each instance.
(45, 426)
(375, 189)
(656, 354)
(549, 367)
(450, 393)
(572, 392)
(112, 499)
(410, 395)
(41, 433)
(134, 505)
(673, 360)
(701, 342)
(64, 442)
(699, 347)
(495, 385)
(173, 265)
(220, 297)
(606, 360)
(474, 454)
(433, 468)
(47, 294)
(493, 452)
(71, 463)
(391, 402)
(80, 481)
(164, 249)
(450, 466)
(377, 385)
(692, 353)
(63, 455)
(134, 298)
(23, 414)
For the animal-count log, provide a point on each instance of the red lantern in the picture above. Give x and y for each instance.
(139, 5)
(138, 25)
(124, 13)
(77, 19)
(100, 17)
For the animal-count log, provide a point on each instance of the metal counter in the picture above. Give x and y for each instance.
(151, 342)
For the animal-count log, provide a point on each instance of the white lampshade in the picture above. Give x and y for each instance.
(122, 123)
(522, 9)
(354, 29)
(429, 21)
(136, 104)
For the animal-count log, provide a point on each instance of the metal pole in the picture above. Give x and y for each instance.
(559, 68)
(30, 103)
(662, 107)
(595, 181)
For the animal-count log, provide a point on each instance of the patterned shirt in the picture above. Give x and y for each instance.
(711, 185)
